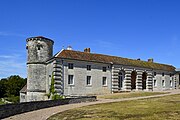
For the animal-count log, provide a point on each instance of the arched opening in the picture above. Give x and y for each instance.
(120, 80)
(133, 80)
(144, 78)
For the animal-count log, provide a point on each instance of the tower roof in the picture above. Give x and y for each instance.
(39, 38)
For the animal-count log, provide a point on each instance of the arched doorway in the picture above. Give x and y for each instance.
(133, 80)
(120, 80)
(144, 78)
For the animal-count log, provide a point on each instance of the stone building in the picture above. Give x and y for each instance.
(78, 73)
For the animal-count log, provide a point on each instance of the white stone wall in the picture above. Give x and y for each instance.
(36, 80)
(176, 77)
(127, 79)
(23, 97)
(49, 71)
(80, 75)
(36, 96)
(159, 79)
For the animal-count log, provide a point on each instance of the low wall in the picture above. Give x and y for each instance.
(14, 109)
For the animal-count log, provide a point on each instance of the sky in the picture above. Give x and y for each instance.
(127, 28)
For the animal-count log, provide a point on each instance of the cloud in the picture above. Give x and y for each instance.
(14, 64)
(11, 34)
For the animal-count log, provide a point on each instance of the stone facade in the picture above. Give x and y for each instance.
(80, 73)
(39, 51)
(84, 75)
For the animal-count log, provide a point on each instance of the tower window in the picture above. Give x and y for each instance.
(39, 46)
(70, 66)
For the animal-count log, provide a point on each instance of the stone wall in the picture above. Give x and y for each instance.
(39, 50)
(169, 81)
(14, 109)
(80, 74)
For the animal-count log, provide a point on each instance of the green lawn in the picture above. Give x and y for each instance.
(162, 108)
(129, 95)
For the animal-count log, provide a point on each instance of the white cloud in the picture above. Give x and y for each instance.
(14, 64)
(11, 34)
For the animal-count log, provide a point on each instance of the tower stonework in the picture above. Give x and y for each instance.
(39, 50)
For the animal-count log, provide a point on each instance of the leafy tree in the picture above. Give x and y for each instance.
(10, 87)
(3, 87)
(15, 84)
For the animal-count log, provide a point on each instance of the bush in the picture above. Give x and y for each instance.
(57, 97)
(13, 99)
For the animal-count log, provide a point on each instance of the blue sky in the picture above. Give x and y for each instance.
(127, 28)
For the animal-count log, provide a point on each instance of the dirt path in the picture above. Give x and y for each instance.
(43, 114)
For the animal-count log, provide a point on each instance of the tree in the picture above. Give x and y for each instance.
(14, 85)
(3, 87)
(11, 86)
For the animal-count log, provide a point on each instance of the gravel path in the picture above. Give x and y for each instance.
(43, 114)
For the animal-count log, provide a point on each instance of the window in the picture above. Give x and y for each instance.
(104, 69)
(154, 73)
(162, 74)
(104, 81)
(171, 83)
(39, 46)
(88, 67)
(155, 83)
(170, 75)
(88, 80)
(70, 66)
(163, 83)
(70, 80)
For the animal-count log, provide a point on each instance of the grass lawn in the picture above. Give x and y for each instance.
(129, 95)
(162, 108)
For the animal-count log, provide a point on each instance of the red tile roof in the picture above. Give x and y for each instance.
(77, 55)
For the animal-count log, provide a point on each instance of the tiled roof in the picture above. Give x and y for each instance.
(77, 55)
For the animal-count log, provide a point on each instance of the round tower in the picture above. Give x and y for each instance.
(39, 50)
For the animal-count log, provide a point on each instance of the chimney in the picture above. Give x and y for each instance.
(87, 50)
(150, 60)
(69, 48)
